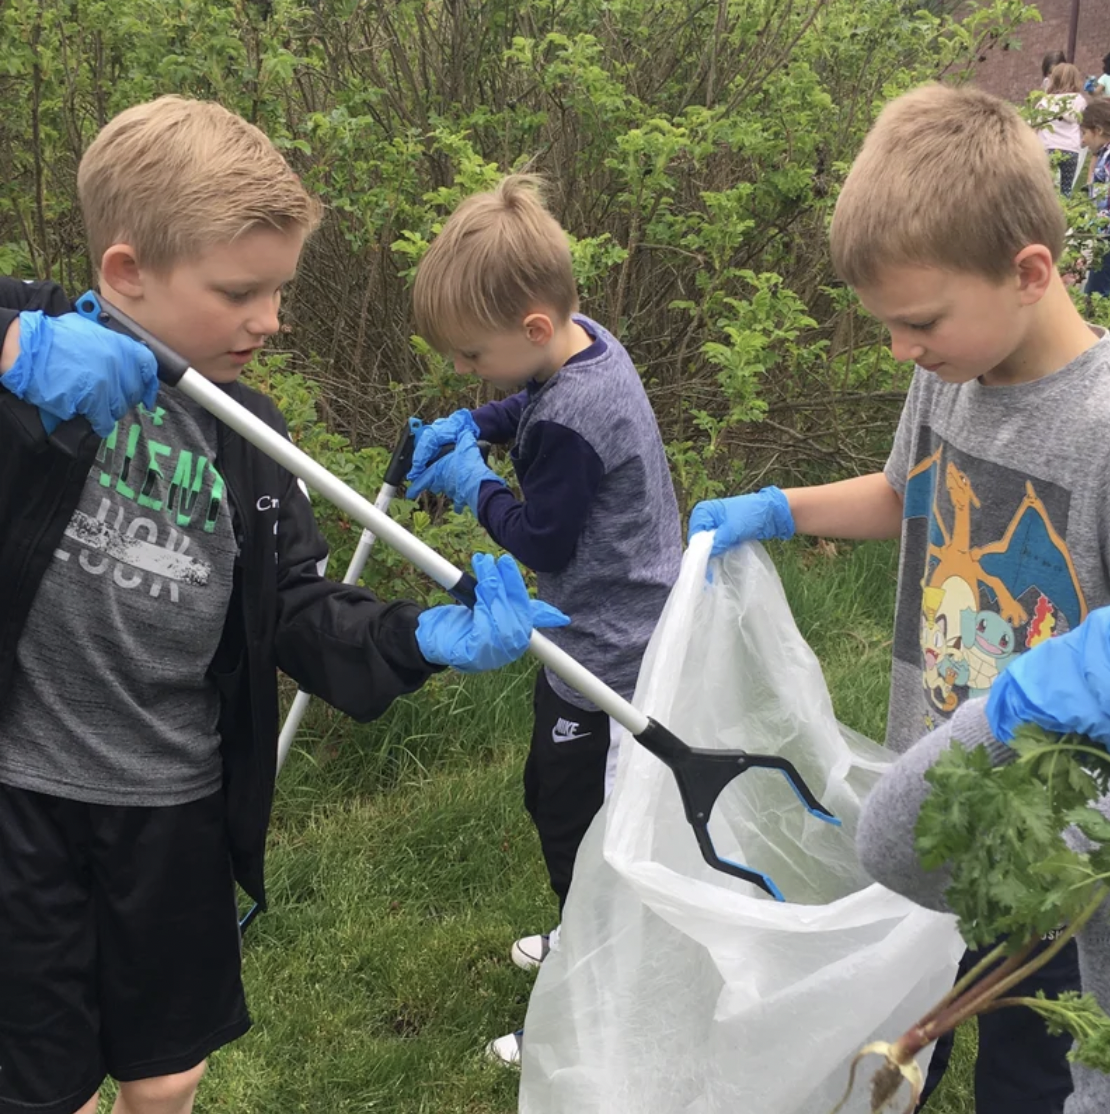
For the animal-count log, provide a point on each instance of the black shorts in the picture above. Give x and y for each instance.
(119, 945)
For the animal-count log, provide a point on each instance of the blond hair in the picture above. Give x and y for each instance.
(174, 176)
(947, 178)
(500, 255)
(1065, 78)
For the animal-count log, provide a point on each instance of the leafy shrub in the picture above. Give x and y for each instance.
(695, 148)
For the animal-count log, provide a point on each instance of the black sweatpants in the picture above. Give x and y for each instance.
(564, 778)
(1019, 1069)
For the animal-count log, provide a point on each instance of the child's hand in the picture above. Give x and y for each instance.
(68, 366)
(1062, 685)
(496, 631)
(458, 475)
(757, 517)
(442, 432)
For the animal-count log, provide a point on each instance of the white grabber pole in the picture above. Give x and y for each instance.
(395, 473)
(701, 774)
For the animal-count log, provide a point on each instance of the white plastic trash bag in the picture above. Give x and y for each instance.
(677, 988)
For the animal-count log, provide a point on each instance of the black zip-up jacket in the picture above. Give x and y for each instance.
(338, 642)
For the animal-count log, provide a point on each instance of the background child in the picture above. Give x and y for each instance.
(1064, 98)
(1095, 133)
(156, 570)
(598, 521)
(1050, 60)
(949, 228)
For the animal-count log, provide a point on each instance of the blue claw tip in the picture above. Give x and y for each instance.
(821, 814)
(772, 889)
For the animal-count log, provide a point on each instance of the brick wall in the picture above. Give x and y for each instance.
(1013, 73)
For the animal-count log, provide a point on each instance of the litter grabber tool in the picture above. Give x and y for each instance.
(700, 774)
(399, 464)
(392, 484)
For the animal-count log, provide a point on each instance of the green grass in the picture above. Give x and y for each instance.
(402, 866)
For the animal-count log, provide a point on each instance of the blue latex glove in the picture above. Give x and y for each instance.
(68, 366)
(743, 518)
(442, 432)
(458, 475)
(498, 628)
(1061, 685)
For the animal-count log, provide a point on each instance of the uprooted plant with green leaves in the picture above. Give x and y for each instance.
(1028, 853)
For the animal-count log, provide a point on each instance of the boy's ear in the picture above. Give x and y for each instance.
(119, 269)
(1035, 270)
(539, 328)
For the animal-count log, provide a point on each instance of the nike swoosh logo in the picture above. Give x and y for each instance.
(560, 738)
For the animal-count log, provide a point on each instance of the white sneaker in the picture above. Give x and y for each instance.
(530, 951)
(506, 1049)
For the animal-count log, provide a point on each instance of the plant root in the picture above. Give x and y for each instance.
(899, 1064)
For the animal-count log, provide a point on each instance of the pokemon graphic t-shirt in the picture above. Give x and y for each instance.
(1006, 529)
(111, 701)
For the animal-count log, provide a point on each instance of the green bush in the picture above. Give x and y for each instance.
(695, 148)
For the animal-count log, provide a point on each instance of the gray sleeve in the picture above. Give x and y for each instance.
(1103, 516)
(885, 837)
(898, 464)
(886, 849)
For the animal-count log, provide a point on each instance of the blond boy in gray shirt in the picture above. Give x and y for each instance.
(949, 229)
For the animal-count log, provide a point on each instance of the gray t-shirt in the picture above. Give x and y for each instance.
(630, 548)
(1006, 529)
(110, 699)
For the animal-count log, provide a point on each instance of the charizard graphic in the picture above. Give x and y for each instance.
(1030, 555)
(955, 556)
(1019, 558)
